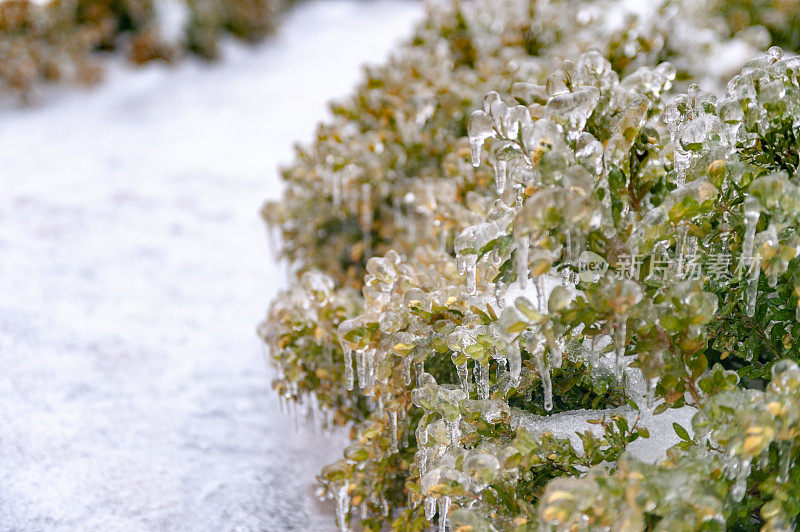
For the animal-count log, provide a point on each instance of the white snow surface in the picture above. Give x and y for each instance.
(652, 450)
(133, 272)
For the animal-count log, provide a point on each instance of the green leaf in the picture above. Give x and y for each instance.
(681, 432)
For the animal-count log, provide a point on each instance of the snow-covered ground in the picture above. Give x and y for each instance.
(133, 272)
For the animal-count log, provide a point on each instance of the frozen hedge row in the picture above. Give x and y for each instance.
(41, 42)
(534, 221)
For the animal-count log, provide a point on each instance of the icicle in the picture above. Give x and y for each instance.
(471, 273)
(681, 164)
(342, 506)
(556, 352)
(772, 278)
(463, 376)
(650, 398)
(393, 432)
(337, 190)
(479, 129)
(547, 384)
(297, 426)
(568, 245)
(361, 368)
(407, 371)
(784, 460)
(740, 484)
(620, 335)
(366, 217)
(482, 380)
(422, 455)
(384, 504)
(536, 347)
(444, 508)
(442, 239)
(461, 263)
(430, 508)
(453, 431)
(422, 435)
(272, 241)
(369, 363)
(541, 299)
(681, 245)
(502, 369)
(752, 286)
(500, 174)
(379, 405)
(282, 404)
(593, 355)
(763, 460)
(521, 260)
(313, 408)
(348, 367)
(751, 216)
(514, 362)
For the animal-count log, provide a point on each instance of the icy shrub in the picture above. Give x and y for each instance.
(51, 41)
(250, 20)
(549, 294)
(781, 18)
(47, 43)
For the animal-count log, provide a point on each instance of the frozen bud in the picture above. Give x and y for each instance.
(515, 119)
(461, 339)
(472, 239)
(785, 377)
(541, 132)
(574, 107)
(383, 270)
(391, 322)
(560, 297)
(589, 152)
(775, 53)
(730, 110)
(481, 468)
(667, 70)
(415, 298)
(594, 64)
(529, 93)
(318, 286)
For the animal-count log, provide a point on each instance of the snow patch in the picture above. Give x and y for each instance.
(134, 271)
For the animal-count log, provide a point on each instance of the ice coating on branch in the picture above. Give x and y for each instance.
(589, 152)
(575, 107)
